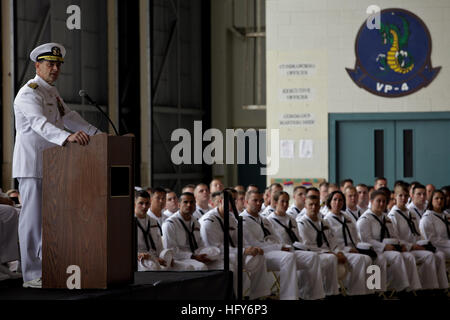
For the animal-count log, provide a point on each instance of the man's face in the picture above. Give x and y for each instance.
(273, 191)
(158, 202)
(187, 205)
(430, 189)
(240, 202)
(380, 183)
(172, 201)
(351, 197)
(346, 185)
(363, 195)
(419, 196)
(216, 185)
(299, 197)
(141, 206)
(312, 206)
(323, 192)
(48, 70)
(253, 203)
(201, 193)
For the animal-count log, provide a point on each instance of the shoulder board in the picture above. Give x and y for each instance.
(33, 85)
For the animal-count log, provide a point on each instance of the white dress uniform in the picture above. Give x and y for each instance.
(256, 229)
(40, 117)
(168, 213)
(431, 266)
(199, 212)
(401, 266)
(9, 240)
(160, 220)
(267, 211)
(308, 262)
(413, 208)
(149, 241)
(345, 238)
(435, 227)
(353, 214)
(310, 239)
(183, 237)
(293, 211)
(257, 280)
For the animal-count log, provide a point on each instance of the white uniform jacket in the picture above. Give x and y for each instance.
(254, 234)
(212, 230)
(281, 224)
(148, 234)
(41, 116)
(406, 224)
(413, 208)
(434, 230)
(369, 230)
(337, 226)
(310, 235)
(176, 238)
(293, 211)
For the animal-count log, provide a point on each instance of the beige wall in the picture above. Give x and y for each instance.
(323, 33)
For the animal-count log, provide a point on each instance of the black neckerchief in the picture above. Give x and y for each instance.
(223, 229)
(345, 229)
(264, 229)
(350, 211)
(410, 222)
(288, 230)
(417, 211)
(320, 234)
(191, 237)
(384, 230)
(147, 235)
(297, 209)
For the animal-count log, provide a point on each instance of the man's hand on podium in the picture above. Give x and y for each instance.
(79, 137)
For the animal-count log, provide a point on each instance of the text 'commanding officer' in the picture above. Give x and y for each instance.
(41, 116)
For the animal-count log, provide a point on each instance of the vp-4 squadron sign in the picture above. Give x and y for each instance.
(394, 60)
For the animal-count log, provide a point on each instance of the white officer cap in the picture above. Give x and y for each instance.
(48, 51)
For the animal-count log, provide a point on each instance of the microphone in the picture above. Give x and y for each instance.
(82, 93)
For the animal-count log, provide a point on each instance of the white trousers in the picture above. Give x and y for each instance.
(397, 273)
(355, 280)
(30, 228)
(285, 263)
(9, 240)
(328, 264)
(309, 275)
(426, 267)
(441, 272)
(411, 271)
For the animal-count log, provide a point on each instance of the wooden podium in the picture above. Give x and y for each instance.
(87, 212)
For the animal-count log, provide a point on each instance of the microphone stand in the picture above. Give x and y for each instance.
(95, 104)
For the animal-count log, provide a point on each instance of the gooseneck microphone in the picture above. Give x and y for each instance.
(84, 94)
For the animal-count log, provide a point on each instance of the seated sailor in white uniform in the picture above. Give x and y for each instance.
(157, 204)
(151, 255)
(171, 203)
(299, 202)
(435, 224)
(181, 233)
(418, 200)
(376, 228)
(345, 237)
(201, 193)
(212, 230)
(351, 204)
(308, 263)
(258, 233)
(430, 263)
(274, 187)
(363, 197)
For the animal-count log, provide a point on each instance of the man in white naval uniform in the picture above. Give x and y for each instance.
(351, 200)
(212, 231)
(418, 202)
(201, 193)
(181, 233)
(41, 116)
(149, 240)
(274, 187)
(435, 224)
(373, 227)
(308, 263)
(157, 204)
(299, 202)
(363, 197)
(171, 204)
(257, 232)
(431, 266)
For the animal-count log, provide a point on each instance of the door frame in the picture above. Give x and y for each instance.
(335, 118)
